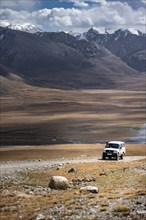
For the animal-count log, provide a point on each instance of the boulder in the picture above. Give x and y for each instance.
(91, 189)
(58, 183)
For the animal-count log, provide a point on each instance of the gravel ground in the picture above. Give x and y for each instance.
(10, 167)
(83, 208)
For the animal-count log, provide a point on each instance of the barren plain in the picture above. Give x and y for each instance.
(35, 116)
(39, 125)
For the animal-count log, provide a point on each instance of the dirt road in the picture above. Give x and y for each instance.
(11, 167)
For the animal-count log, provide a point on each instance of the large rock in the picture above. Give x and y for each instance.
(59, 183)
(91, 189)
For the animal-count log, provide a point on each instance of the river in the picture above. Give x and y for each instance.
(140, 136)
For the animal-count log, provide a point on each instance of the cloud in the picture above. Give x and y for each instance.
(77, 3)
(84, 3)
(109, 14)
(143, 1)
(19, 4)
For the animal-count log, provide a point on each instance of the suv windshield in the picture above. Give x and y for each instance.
(115, 146)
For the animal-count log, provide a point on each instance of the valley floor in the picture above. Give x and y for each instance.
(50, 152)
(35, 124)
(25, 193)
(42, 116)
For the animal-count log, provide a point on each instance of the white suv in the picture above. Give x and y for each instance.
(114, 149)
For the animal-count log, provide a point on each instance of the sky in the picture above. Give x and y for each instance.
(75, 15)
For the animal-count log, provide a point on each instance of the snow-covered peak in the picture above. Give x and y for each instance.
(92, 32)
(101, 30)
(94, 29)
(127, 31)
(133, 31)
(109, 31)
(26, 27)
(73, 33)
(4, 23)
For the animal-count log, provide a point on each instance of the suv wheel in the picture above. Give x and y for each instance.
(103, 157)
(122, 157)
(117, 157)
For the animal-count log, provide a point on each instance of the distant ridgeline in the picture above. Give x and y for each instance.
(61, 60)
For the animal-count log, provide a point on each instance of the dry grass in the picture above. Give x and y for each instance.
(122, 208)
(104, 203)
(112, 186)
(103, 209)
(35, 116)
(62, 151)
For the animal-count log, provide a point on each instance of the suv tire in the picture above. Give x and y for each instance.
(103, 157)
(117, 157)
(122, 156)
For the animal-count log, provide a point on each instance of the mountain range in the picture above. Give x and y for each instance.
(61, 60)
(26, 27)
(129, 45)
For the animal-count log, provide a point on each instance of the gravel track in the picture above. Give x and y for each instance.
(11, 167)
(88, 206)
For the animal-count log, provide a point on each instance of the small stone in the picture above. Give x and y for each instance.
(91, 189)
(6, 193)
(72, 170)
(142, 213)
(40, 217)
(31, 193)
(102, 174)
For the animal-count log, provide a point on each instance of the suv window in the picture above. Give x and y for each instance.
(115, 146)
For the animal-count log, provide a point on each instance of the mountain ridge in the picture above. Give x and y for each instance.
(62, 61)
(26, 27)
(121, 43)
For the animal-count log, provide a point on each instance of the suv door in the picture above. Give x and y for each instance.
(121, 151)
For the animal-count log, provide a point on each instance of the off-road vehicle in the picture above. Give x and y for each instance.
(114, 150)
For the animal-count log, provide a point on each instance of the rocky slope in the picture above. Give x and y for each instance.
(127, 44)
(60, 60)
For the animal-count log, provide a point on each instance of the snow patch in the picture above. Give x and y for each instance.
(1, 37)
(4, 23)
(109, 31)
(133, 31)
(25, 27)
(73, 33)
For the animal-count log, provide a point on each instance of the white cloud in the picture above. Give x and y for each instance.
(111, 14)
(84, 3)
(77, 3)
(143, 1)
(19, 4)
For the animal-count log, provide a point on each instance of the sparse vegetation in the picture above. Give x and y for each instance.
(47, 152)
(103, 209)
(53, 109)
(104, 203)
(28, 194)
(78, 116)
(122, 208)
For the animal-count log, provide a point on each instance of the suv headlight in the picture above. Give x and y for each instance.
(115, 152)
